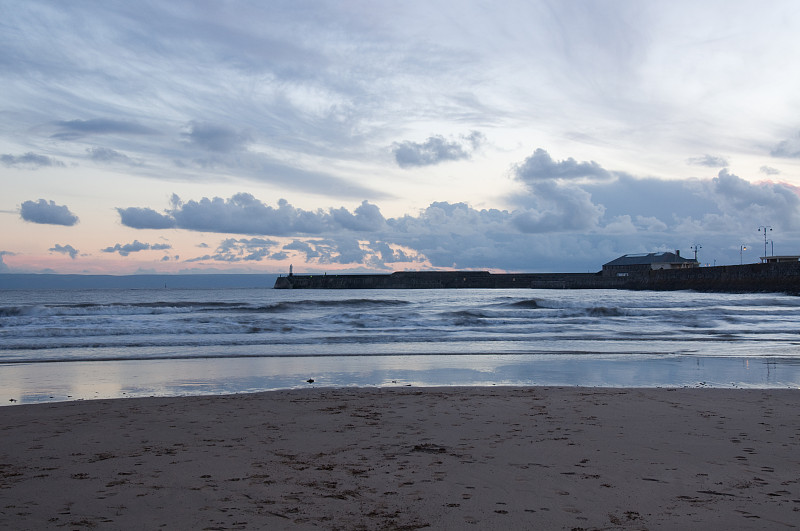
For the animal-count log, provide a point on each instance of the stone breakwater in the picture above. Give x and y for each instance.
(778, 277)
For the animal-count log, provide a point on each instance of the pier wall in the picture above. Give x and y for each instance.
(778, 277)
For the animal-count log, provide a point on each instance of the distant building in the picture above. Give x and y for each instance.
(778, 259)
(639, 263)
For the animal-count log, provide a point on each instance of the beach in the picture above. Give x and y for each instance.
(407, 458)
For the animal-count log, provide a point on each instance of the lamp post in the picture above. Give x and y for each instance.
(742, 247)
(765, 229)
(695, 248)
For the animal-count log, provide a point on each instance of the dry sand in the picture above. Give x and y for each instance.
(407, 458)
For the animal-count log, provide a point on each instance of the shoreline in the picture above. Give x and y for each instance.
(407, 458)
(92, 380)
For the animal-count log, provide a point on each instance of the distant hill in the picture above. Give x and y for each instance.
(53, 281)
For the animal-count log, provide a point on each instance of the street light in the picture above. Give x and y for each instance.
(695, 248)
(765, 228)
(742, 247)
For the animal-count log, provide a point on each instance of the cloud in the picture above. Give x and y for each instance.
(47, 213)
(244, 214)
(303, 247)
(559, 208)
(789, 148)
(366, 217)
(769, 170)
(347, 250)
(31, 160)
(709, 161)
(65, 249)
(540, 166)
(772, 203)
(108, 155)
(218, 138)
(253, 249)
(560, 223)
(74, 129)
(135, 247)
(3, 266)
(242, 250)
(435, 150)
(145, 218)
(663, 199)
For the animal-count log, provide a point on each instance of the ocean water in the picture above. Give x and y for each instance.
(79, 344)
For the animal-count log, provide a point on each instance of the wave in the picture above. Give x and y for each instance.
(169, 307)
(532, 304)
(328, 303)
(129, 323)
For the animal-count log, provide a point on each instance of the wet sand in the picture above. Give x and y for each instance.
(409, 458)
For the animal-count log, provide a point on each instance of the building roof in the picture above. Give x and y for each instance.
(650, 258)
(781, 258)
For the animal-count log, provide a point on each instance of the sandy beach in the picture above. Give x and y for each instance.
(407, 458)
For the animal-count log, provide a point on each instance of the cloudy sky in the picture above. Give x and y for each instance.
(377, 136)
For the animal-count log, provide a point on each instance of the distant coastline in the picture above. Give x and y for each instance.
(32, 281)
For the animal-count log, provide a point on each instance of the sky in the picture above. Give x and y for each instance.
(372, 136)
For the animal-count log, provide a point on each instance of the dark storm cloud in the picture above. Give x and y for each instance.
(47, 213)
(31, 160)
(135, 247)
(541, 166)
(709, 161)
(788, 148)
(73, 129)
(435, 150)
(65, 249)
(214, 137)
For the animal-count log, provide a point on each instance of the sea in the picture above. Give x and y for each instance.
(81, 344)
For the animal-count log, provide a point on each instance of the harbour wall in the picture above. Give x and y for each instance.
(778, 277)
